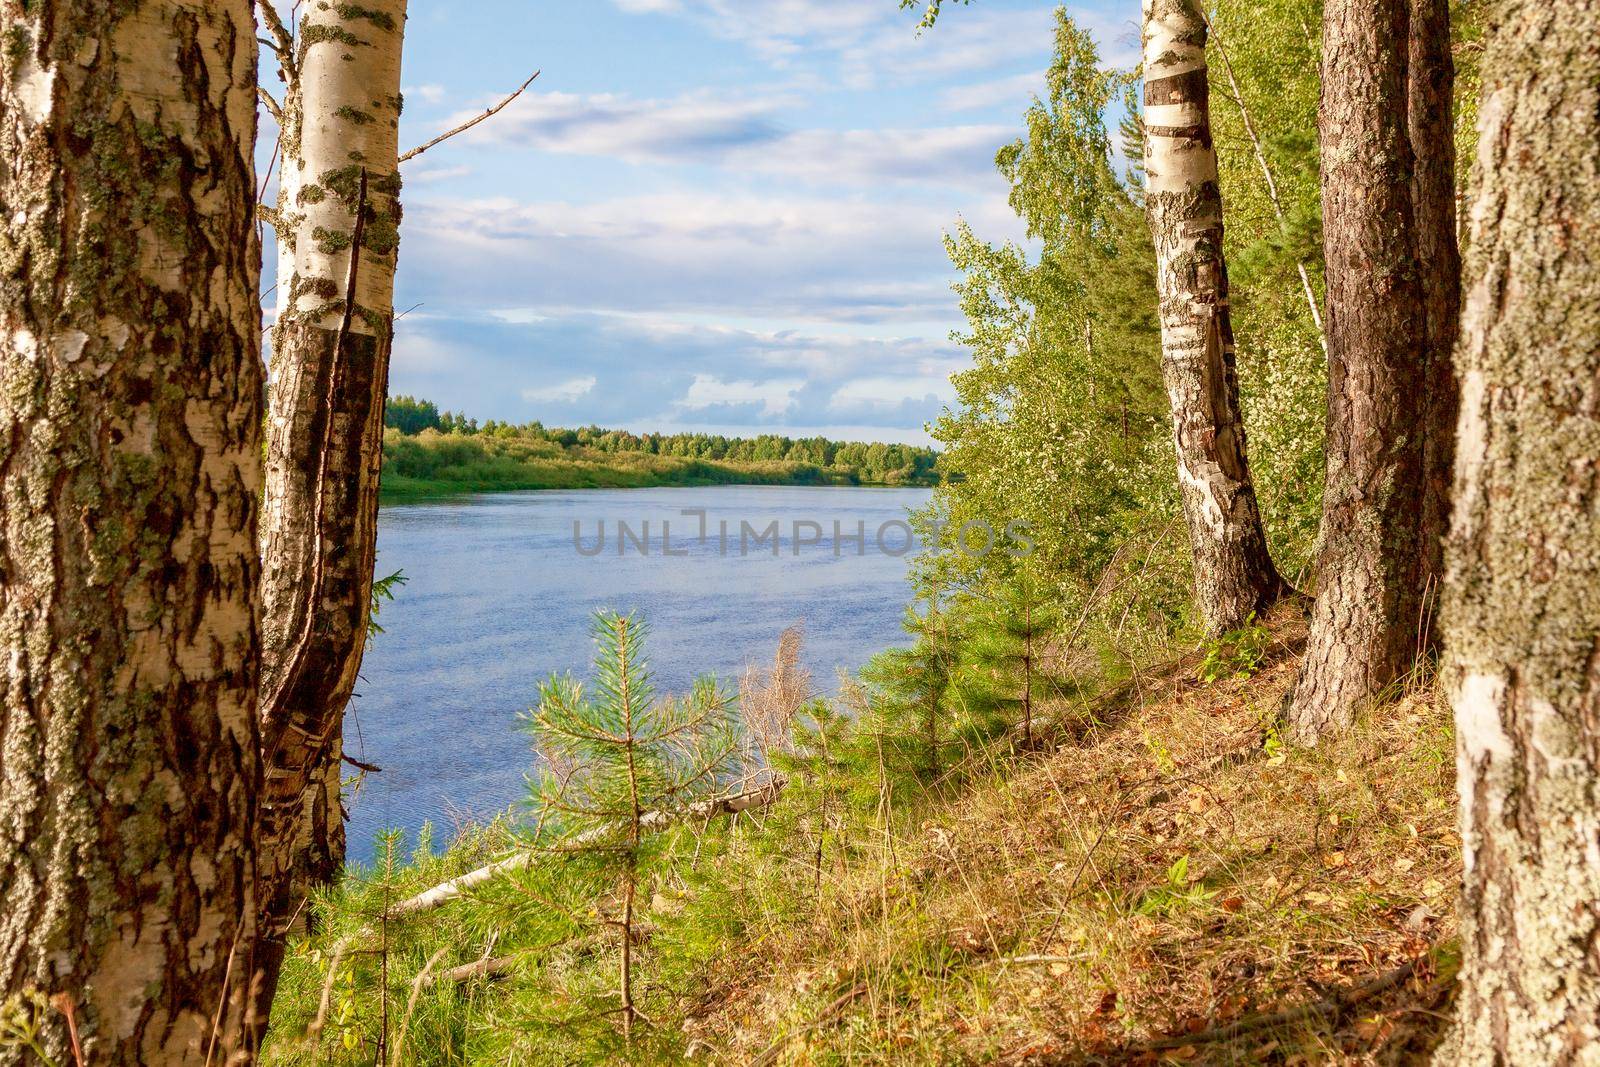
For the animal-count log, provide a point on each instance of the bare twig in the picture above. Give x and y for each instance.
(1332, 1007)
(327, 988)
(465, 126)
(370, 768)
(828, 1015)
(282, 41)
(273, 107)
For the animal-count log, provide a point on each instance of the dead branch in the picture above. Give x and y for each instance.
(282, 42)
(650, 822)
(411, 1003)
(488, 967)
(1266, 172)
(1334, 1008)
(465, 126)
(273, 108)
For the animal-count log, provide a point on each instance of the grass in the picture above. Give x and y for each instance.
(1158, 881)
(431, 465)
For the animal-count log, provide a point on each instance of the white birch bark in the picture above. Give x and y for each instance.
(1233, 570)
(338, 219)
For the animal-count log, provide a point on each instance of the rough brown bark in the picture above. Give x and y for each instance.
(1522, 609)
(330, 369)
(1367, 616)
(1233, 570)
(1431, 122)
(130, 416)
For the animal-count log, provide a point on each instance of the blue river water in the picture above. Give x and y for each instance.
(499, 595)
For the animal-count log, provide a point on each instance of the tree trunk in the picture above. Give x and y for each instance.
(1234, 573)
(1431, 121)
(1366, 619)
(130, 410)
(1522, 608)
(330, 376)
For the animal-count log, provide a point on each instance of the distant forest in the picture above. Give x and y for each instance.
(428, 452)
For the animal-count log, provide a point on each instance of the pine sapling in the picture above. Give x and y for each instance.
(1008, 638)
(620, 763)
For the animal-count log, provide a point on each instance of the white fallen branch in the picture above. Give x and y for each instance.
(652, 822)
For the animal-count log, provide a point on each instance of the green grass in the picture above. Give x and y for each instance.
(1085, 897)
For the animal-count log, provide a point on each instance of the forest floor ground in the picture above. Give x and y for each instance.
(1154, 879)
(1162, 882)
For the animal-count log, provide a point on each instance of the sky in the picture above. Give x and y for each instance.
(721, 215)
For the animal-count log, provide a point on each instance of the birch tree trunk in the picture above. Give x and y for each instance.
(330, 375)
(1431, 121)
(1365, 623)
(130, 414)
(1522, 609)
(1233, 570)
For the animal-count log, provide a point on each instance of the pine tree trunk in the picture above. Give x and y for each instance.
(1522, 607)
(1233, 570)
(130, 409)
(325, 438)
(1431, 108)
(1366, 619)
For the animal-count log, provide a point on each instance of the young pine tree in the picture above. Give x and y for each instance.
(909, 692)
(620, 765)
(1007, 637)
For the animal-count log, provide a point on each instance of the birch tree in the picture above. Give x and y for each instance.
(337, 221)
(130, 409)
(1368, 610)
(1233, 570)
(1522, 609)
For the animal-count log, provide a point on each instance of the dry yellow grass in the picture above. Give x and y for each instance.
(1162, 872)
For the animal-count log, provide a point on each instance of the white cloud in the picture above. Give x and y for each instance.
(886, 392)
(838, 259)
(697, 126)
(775, 397)
(1016, 92)
(426, 175)
(561, 392)
(429, 93)
(648, 7)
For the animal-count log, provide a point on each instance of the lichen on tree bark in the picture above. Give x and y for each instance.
(1368, 613)
(330, 363)
(1522, 609)
(130, 410)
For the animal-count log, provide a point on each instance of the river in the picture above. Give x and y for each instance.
(499, 595)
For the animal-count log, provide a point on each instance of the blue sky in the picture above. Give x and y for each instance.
(706, 214)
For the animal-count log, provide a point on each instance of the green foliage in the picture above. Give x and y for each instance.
(1008, 636)
(410, 415)
(617, 763)
(1062, 420)
(382, 590)
(1236, 654)
(428, 453)
(1178, 892)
